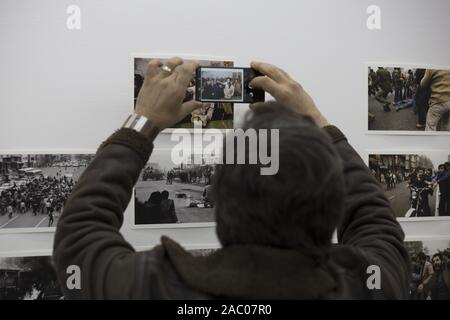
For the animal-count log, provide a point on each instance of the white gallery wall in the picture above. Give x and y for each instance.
(64, 89)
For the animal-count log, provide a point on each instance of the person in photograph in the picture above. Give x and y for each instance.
(385, 85)
(421, 99)
(424, 191)
(208, 92)
(372, 78)
(439, 284)
(397, 79)
(152, 211)
(201, 117)
(168, 207)
(218, 89)
(207, 196)
(274, 229)
(425, 272)
(410, 84)
(237, 88)
(50, 218)
(443, 180)
(438, 113)
(228, 89)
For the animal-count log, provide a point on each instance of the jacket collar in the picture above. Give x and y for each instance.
(255, 272)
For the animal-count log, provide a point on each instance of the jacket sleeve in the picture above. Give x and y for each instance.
(369, 223)
(88, 234)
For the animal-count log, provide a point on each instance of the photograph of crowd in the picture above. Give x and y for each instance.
(28, 278)
(417, 185)
(219, 115)
(222, 84)
(175, 193)
(408, 99)
(430, 278)
(34, 187)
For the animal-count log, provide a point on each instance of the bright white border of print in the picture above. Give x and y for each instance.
(26, 253)
(408, 152)
(168, 56)
(426, 238)
(399, 132)
(50, 151)
(134, 226)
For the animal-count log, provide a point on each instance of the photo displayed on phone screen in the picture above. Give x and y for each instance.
(221, 84)
(227, 85)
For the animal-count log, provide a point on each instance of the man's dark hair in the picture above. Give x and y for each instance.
(165, 195)
(439, 255)
(299, 207)
(155, 197)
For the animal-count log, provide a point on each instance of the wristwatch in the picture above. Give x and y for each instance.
(142, 125)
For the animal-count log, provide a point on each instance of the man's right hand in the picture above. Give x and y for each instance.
(286, 91)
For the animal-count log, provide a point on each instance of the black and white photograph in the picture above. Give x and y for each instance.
(430, 276)
(35, 187)
(409, 99)
(28, 278)
(175, 193)
(218, 115)
(416, 184)
(220, 84)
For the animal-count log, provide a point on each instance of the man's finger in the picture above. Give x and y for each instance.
(189, 106)
(152, 68)
(183, 74)
(271, 71)
(267, 84)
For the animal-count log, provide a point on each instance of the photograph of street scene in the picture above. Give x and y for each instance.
(175, 193)
(408, 99)
(34, 187)
(430, 278)
(28, 278)
(221, 84)
(217, 115)
(417, 185)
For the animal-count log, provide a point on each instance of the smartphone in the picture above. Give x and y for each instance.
(223, 84)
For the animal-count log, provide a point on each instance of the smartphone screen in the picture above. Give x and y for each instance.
(226, 85)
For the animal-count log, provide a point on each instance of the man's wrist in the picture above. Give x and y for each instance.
(143, 125)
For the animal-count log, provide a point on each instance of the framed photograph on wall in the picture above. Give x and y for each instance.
(430, 272)
(29, 278)
(174, 188)
(35, 186)
(217, 115)
(416, 183)
(408, 99)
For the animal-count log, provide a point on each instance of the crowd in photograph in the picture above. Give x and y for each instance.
(425, 91)
(220, 88)
(430, 276)
(41, 195)
(424, 181)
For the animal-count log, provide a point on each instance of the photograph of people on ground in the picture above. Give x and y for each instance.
(175, 193)
(408, 99)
